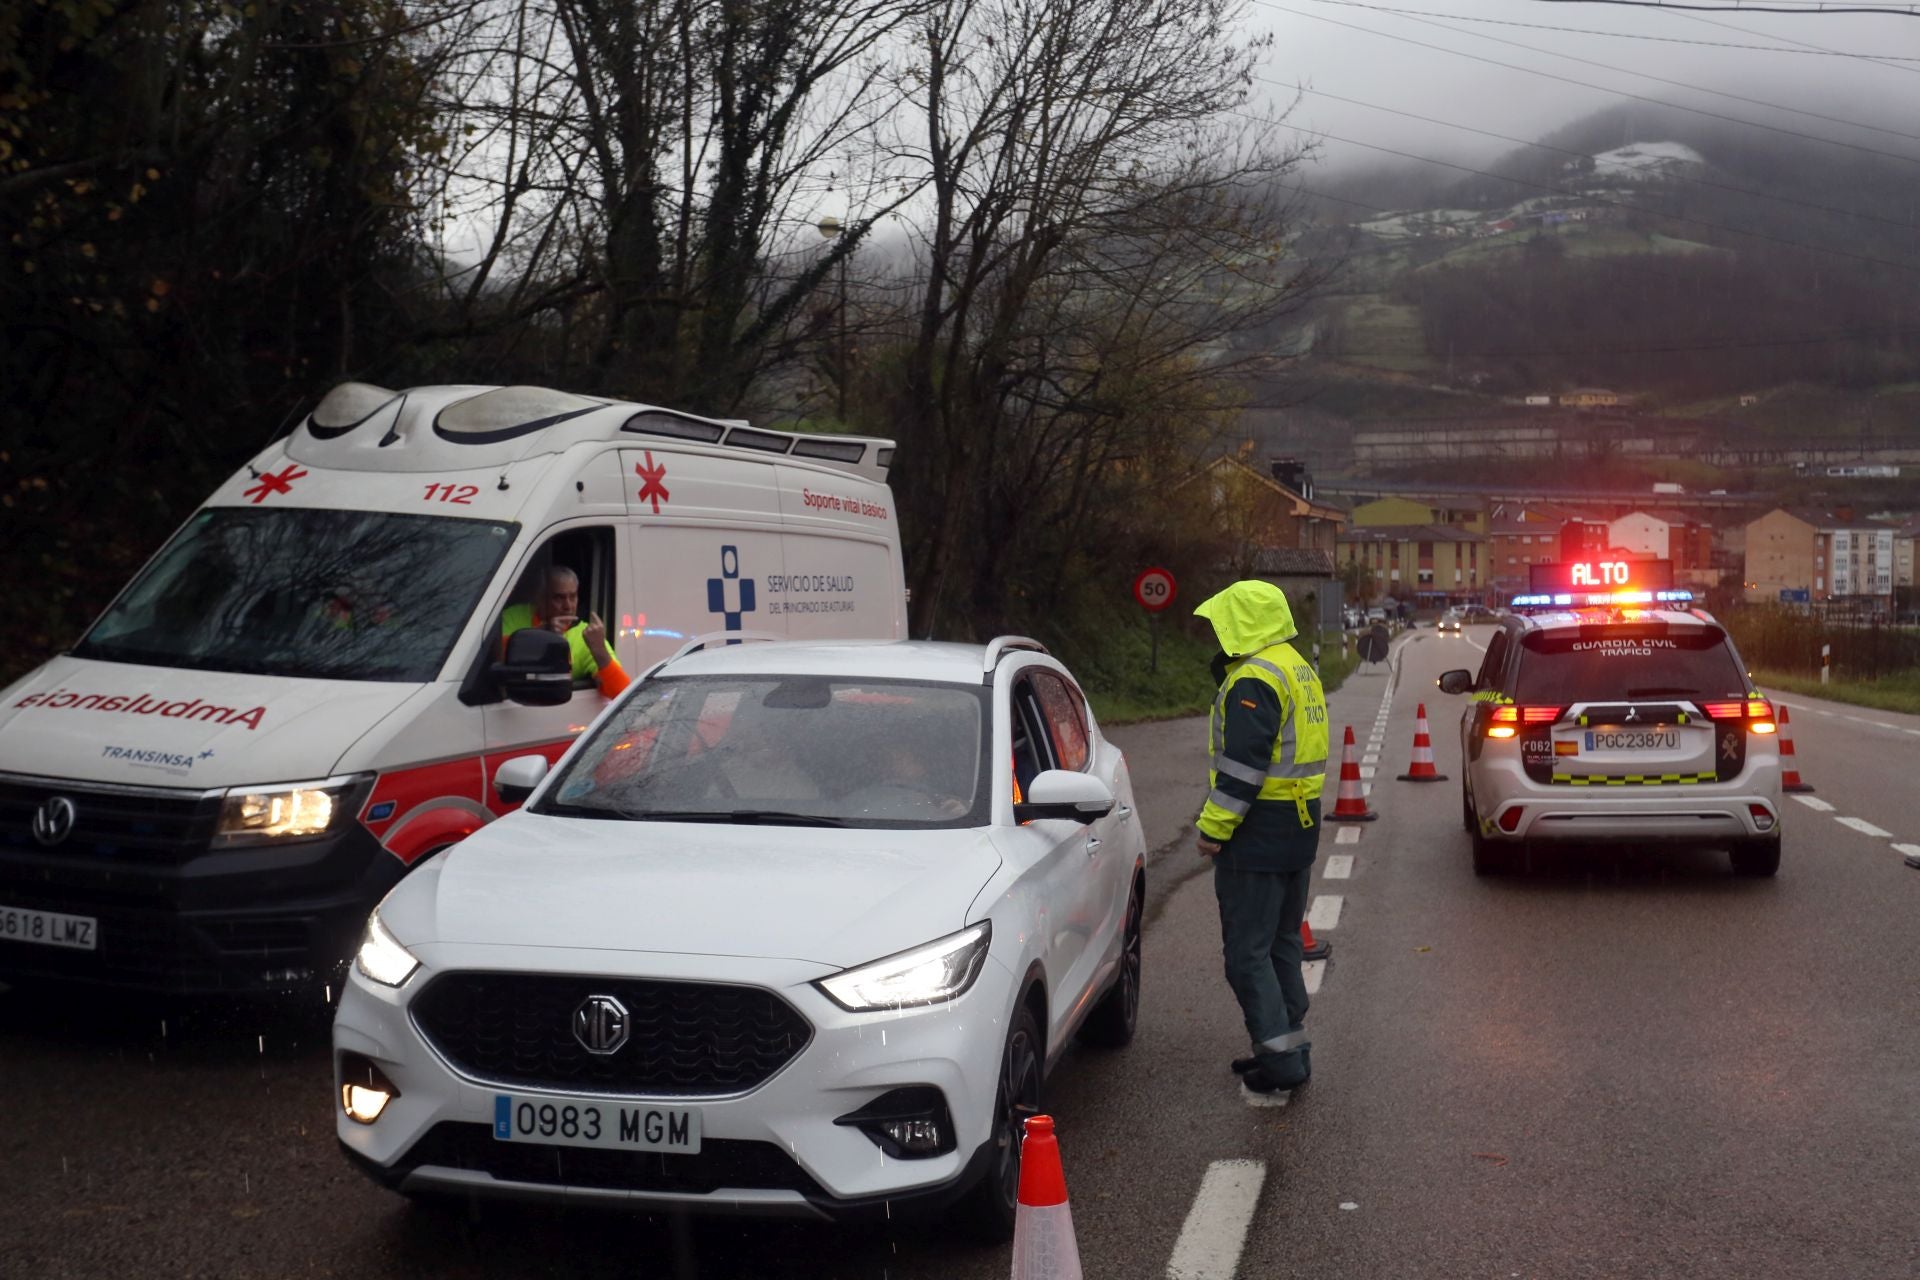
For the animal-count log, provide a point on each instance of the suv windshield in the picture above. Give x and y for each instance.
(1598, 664)
(805, 750)
(339, 595)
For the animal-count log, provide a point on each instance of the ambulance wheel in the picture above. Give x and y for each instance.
(1756, 857)
(989, 1210)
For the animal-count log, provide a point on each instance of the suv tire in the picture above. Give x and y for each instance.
(1112, 1022)
(988, 1212)
(1756, 857)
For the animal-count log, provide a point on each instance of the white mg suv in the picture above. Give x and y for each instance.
(794, 929)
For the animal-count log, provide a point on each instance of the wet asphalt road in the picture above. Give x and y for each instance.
(1618, 1065)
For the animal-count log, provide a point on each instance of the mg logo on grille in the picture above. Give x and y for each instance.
(53, 820)
(600, 1025)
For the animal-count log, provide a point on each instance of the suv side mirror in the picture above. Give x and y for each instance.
(538, 668)
(1059, 793)
(515, 780)
(1455, 682)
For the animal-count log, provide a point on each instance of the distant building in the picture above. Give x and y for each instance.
(1540, 401)
(1429, 564)
(1411, 511)
(1593, 398)
(1820, 557)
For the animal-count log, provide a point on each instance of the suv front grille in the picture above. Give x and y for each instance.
(685, 1038)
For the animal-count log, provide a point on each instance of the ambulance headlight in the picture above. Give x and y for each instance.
(285, 811)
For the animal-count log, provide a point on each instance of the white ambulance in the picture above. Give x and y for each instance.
(306, 691)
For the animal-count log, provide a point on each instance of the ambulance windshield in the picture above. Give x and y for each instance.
(333, 595)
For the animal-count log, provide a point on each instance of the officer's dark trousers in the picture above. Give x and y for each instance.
(1260, 914)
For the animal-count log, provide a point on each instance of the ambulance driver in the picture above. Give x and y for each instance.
(558, 611)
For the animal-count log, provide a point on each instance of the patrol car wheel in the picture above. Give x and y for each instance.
(1756, 858)
(1490, 857)
(1468, 823)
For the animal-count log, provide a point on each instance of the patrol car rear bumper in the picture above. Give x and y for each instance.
(1512, 807)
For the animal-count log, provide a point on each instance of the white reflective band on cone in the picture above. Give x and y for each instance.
(1043, 1243)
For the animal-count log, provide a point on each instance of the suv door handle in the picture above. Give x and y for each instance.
(1125, 812)
(1093, 844)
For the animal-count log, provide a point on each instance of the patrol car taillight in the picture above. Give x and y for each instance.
(1525, 715)
(1757, 712)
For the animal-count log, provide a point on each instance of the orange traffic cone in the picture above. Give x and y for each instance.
(1351, 805)
(1043, 1243)
(1422, 770)
(1789, 767)
(1312, 948)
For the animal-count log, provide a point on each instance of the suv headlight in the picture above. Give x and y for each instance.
(931, 974)
(284, 811)
(381, 957)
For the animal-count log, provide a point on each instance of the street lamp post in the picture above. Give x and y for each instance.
(830, 229)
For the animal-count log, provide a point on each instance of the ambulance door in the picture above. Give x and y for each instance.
(706, 548)
(590, 551)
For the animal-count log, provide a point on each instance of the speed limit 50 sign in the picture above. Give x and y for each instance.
(1154, 589)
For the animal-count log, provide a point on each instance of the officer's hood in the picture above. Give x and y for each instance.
(1249, 616)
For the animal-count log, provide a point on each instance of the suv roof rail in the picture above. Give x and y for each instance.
(1000, 646)
(708, 640)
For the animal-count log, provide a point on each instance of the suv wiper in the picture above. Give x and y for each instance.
(740, 817)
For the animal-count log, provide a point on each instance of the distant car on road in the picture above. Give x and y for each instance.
(1624, 725)
(1449, 621)
(1376, 614)
(796, 930)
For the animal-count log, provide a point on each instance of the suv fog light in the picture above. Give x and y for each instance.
(365, 1090)
(1510, 820)
(1762, 820)
(908, 1124)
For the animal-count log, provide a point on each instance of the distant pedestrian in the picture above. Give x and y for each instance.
(1267, 739)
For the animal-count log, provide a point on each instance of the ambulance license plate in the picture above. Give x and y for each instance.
(581, 1122)
(49, 928)
(1632, 740)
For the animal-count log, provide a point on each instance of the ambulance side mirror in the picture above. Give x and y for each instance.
(1455, 682)
(1060, 793)
(537, 669)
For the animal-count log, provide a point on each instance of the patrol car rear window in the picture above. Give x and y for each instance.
(304, 593)
(785, 750)
(1595, 663)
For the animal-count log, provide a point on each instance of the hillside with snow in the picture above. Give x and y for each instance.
(1641, 161)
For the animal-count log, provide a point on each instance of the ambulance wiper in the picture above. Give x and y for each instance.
(740, 817)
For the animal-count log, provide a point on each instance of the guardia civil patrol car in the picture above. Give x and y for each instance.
(305, 692)
(1608, 708)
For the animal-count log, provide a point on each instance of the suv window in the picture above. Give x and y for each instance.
(1596, 663)
(1490, 666)
(1065, 718)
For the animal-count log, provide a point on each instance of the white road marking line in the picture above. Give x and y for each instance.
(1865, 828)
(1371, 757)
(1911, 850)
(1347, 835)
(1313, 972)
(1367, 770)
(1366, 788)
(1815, 803)
(1339, 866)
(1828, 714)
(1210, 1243)
(1883, 724)
(1324, 915)
(1260, 1102)
(1858, 719)
(1914, 732)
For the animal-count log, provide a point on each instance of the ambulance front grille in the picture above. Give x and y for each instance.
(135, 824)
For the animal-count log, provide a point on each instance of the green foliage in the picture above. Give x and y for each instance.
(1896, 692)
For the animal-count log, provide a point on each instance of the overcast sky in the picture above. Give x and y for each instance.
(1329, 47)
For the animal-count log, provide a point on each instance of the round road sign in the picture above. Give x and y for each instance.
(1154, 589)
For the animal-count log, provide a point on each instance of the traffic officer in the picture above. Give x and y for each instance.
(558, 610)
(1268, 741)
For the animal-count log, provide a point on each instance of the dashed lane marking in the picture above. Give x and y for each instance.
(1347, 835)
(1911, 850)
(1339, 866)
(1215, 1233)
(1367, 770)
(1815, 803)
(1883, 724)
(1311, 973)
(1865, 828)
(1324, 915)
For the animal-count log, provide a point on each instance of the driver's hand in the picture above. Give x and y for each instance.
(596, 637)
(563, 624)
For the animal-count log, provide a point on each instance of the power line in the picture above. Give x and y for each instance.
(1904, 11)
(1619, 93)
(1804, 50)
(1890, 64)
(1581, 155)
(1668, 348)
